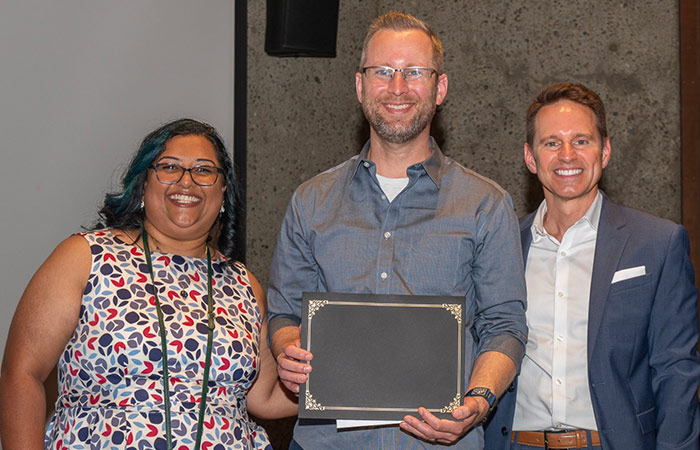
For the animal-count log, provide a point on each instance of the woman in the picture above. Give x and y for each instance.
(160, 279)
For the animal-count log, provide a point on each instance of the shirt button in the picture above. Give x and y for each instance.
(560, 294)
(366, 164)
(384, 276)
(387, 235)
(560, 338)
(563, 253)
(559, 381)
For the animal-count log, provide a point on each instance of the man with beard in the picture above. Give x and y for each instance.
(401, 218)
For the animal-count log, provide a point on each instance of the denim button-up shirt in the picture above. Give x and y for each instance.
(449, 232)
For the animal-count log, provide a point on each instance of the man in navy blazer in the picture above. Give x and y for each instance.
(611, 360)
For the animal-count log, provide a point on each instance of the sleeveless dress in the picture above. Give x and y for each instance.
(110, 374)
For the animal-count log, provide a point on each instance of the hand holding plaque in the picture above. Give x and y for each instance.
(292, 360)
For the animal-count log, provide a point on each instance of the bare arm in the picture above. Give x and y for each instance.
(292, 360)
(46, 316)
(267, 398)
(492, 370)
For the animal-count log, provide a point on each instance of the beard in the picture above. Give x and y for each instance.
(399, 132)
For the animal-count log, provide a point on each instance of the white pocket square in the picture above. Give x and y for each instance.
(626, 274)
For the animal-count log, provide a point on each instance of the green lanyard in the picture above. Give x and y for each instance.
(164, 348)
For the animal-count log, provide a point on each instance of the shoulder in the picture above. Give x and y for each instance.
(645, 236)
(327, 179)
(484, 194)
(108, 237)
(70, 262)
(638, 222)
(73, 246)
(458, 174)
(325, 190)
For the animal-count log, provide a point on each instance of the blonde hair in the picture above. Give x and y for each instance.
(398, 21)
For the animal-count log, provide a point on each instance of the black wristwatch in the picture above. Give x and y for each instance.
(483, 392)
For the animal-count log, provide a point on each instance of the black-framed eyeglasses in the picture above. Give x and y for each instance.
(171, 173)
(386, 73)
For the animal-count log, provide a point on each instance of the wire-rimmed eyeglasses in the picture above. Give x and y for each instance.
(171, 173)
(386, 73)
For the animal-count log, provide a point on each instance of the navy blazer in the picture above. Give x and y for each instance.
(643, 364)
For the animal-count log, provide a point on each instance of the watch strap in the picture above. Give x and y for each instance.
(483, 392)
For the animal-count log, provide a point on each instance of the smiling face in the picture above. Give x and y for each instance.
(396, 110)
(567, 154)
(183, 211)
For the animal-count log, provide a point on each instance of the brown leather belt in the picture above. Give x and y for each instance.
(555, 439)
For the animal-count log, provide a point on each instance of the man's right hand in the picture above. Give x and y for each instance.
(292, 360)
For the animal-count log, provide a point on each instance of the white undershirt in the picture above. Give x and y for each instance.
(553, 390)
(392, 186)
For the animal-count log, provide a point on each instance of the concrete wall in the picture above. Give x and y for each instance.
(304, 116)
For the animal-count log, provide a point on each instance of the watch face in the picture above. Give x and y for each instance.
(484, 393)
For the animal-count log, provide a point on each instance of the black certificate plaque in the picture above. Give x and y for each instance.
(380, 357)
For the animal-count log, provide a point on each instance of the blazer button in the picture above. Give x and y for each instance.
(504, 431)
(511, 388)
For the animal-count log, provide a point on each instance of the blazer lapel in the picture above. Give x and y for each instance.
(610, 243)
(526, 233)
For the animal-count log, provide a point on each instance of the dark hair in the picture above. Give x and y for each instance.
(122, 210)
(567, 91)
(398, 21)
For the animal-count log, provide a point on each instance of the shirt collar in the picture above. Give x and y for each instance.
(591, 217)
(432, 165)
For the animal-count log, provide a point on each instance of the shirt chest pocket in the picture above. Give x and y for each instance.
(628, 308)
(643, 281)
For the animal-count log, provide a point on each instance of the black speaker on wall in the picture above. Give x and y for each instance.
(301, 27)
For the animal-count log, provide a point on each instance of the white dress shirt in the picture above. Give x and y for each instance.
(553, 390)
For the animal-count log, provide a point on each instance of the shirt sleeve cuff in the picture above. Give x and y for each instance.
(507, 344)
(281, 321)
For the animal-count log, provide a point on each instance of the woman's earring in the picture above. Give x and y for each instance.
(142, 204)
(222, 210)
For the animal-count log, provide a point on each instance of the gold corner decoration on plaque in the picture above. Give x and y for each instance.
(454, 405)
(315, 305)
(455, 309)
(311, 404)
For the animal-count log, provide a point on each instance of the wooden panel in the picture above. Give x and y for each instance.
(690, 126)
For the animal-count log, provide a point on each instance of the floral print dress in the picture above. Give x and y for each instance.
(110, 374)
